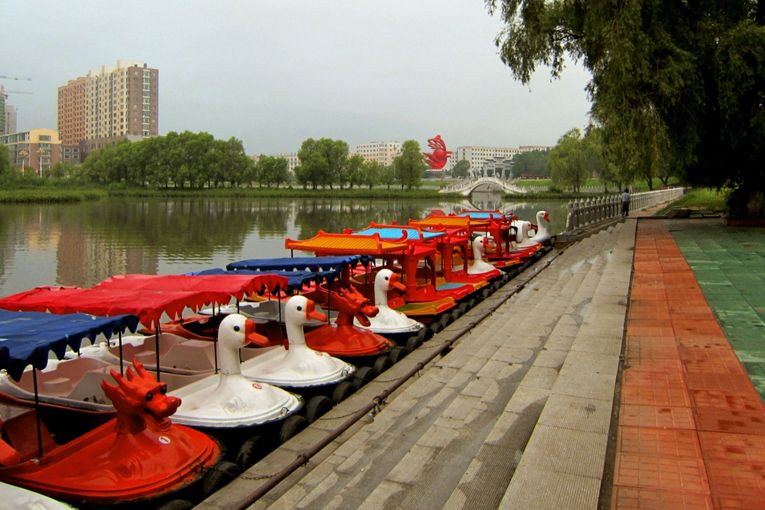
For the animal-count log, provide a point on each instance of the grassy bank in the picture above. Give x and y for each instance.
(376, 193)
(46, 194)
(43, 195)
(702, 199)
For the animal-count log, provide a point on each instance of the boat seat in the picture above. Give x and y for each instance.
(56, 386)
(146, 357)
(88, 388)
(21, 433)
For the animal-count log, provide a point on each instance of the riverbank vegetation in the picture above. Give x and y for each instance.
(701, 199)
(676, 87)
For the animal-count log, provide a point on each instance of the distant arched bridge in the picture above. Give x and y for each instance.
(466, 186)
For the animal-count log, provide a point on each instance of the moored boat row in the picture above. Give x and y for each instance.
(302, 334)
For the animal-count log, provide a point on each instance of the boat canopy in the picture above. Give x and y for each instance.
(324, 242)
(483, 215)
(452, 222)
(296, 280)
(218, 289)
(26, 338)
(302, 263)
(397, 232)
(142, 295)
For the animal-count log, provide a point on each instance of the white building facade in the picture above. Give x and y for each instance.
(382, 152)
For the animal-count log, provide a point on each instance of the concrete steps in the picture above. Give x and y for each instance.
(514, 415)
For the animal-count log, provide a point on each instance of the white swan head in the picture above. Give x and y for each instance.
(542, 216)
(299, 310)
(236, 331)
(387, 280)
(479, 247)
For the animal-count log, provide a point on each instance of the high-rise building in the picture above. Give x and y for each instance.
(10, 118)
(109, 104)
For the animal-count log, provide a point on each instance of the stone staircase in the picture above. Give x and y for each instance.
(516, 415)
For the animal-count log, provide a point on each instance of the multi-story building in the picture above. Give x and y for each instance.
(382, 152)
(109, 104)
(39, 149)
(494, 161)
(10, 118)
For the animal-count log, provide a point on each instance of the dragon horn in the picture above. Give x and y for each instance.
(141, 371)
(110, 389)
(130, 376)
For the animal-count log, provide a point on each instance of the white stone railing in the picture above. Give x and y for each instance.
(589, 211)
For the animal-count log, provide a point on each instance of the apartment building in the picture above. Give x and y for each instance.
(109, 104)
(39, 149)
(382, 152)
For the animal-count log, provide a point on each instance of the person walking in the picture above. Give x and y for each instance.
(625, 203)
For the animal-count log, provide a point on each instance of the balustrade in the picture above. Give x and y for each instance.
(589, 211)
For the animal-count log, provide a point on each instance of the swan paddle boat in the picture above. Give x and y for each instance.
(226, 399)
(388, 321)
(295, 366)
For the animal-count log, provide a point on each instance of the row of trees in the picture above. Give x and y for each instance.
(197, 160)
(326, 163)
(675, 84)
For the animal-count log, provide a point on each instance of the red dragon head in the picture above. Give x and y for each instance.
(351, 303)
(138, 398)
(437, 159)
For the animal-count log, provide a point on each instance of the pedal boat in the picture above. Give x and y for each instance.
(138, 456)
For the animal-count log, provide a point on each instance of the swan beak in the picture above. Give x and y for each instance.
(394, 283)
(547, 216)
(311, 313)
(251, 337)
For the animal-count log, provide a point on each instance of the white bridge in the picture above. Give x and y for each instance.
(466, 186)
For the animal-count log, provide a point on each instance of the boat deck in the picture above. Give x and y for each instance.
(518, 404)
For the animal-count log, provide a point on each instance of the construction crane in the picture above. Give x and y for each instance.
(5, 93)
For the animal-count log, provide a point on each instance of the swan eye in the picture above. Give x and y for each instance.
(149, 396)
(300, 308)
(236, 328)
(387, 278)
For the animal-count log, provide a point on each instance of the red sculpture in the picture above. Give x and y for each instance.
(437, 159)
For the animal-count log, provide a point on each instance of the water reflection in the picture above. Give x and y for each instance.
(82, 244)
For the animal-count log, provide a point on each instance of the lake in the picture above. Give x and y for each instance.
(82, 244)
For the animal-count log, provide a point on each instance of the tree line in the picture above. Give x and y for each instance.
(676, 86)
(197, 160)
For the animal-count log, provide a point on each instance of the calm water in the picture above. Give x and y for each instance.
(82, 244)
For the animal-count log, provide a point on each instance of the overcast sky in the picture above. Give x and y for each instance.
(273, 73)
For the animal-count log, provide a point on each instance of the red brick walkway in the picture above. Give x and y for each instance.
(691, 425)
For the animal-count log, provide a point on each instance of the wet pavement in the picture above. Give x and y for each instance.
(691, 430)
(729, 265)
(518, 412)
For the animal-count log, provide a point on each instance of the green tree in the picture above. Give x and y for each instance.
(371, 173)
(272, 171)
(409, 165)
(461, 169)
(674, 84)
(569, 162)
(388, 176)
(531, 164)
(354, 170)
(5, 162)
(63, 170)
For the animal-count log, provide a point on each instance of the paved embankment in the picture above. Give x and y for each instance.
(691, 428)
(515, 414)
